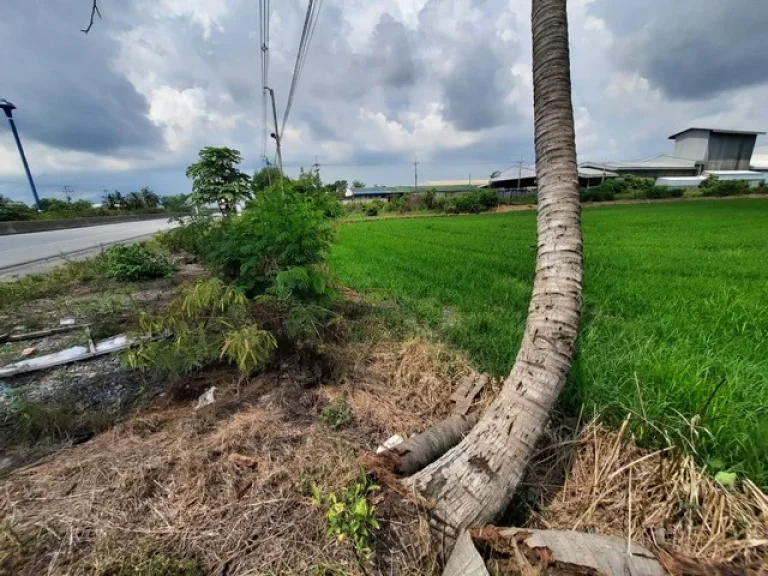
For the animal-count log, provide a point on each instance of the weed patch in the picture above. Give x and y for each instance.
(139, 261)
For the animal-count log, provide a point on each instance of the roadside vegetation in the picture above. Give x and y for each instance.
(673, 325)
(483, 200)
(114, 203)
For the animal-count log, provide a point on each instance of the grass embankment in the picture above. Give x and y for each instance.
(675, 320)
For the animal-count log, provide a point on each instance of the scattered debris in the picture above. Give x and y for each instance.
(390, 443)
(539, 552)
(28, 351)
(67, 322)
(39, 333)
(206, 399)
(466, 391)
(68, 355)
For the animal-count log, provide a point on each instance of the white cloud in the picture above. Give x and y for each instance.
(445, 79)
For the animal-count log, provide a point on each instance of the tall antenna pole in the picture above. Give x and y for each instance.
(519, 174)
(276, 133)
(415, 172)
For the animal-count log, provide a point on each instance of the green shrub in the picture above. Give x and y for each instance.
(373, 208)
(600, 193)
(338, 413)
(714, 187)
(11, 211)
(429, 198)
(471, 203)
(137, 262)
(193, 236)
(278, 246)
(488, 198)
(176, 203)
(349, 514)
(657, 192)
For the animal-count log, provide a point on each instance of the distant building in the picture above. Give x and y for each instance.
(370, 194)
(714, 149)
(524, 177)
(654, 167)
(697, 151)
(466, 183)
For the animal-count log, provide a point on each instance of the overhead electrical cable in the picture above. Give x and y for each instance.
(307, 32)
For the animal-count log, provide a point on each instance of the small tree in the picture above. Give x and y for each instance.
(358, 184)
(338, 188)
(215, 178)
(265, 177)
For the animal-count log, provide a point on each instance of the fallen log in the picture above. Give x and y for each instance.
(422, 449)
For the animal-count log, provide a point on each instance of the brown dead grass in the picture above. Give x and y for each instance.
(405, 388)
(657, 498)
(228, 486)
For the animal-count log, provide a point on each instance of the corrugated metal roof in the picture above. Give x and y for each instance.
(717, 130)
(661, 162)
(464, 182)
(528, 172)
(736, 174)
(373, 191)
(515, 172)
(587, 172)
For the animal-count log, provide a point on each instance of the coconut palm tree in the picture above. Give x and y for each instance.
(474, 482)
(113, 200)
(148, 198)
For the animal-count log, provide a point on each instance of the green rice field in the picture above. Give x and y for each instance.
(675, 318)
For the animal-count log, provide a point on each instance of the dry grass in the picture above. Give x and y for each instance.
(406, 387)
(229, 488)
(658, 498)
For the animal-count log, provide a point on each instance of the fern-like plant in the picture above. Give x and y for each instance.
(206, 322)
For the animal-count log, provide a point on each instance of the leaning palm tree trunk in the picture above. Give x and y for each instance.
(474, 482)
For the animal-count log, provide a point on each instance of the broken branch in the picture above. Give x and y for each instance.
(94, 12)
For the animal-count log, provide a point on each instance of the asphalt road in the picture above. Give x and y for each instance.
(24, 253)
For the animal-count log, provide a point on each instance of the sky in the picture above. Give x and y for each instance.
(447, 82)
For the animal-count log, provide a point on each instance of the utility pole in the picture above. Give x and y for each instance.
(519, 174)
(68, 193)
(8, 108)
(415, 173)
(276, 133)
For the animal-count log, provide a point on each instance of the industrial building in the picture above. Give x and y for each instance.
(698, 153)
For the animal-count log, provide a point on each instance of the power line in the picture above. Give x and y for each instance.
(307, 32)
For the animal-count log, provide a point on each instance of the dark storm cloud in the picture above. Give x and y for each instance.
(475, 89)
(62, 82)
(691, 49)
(477, 77)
